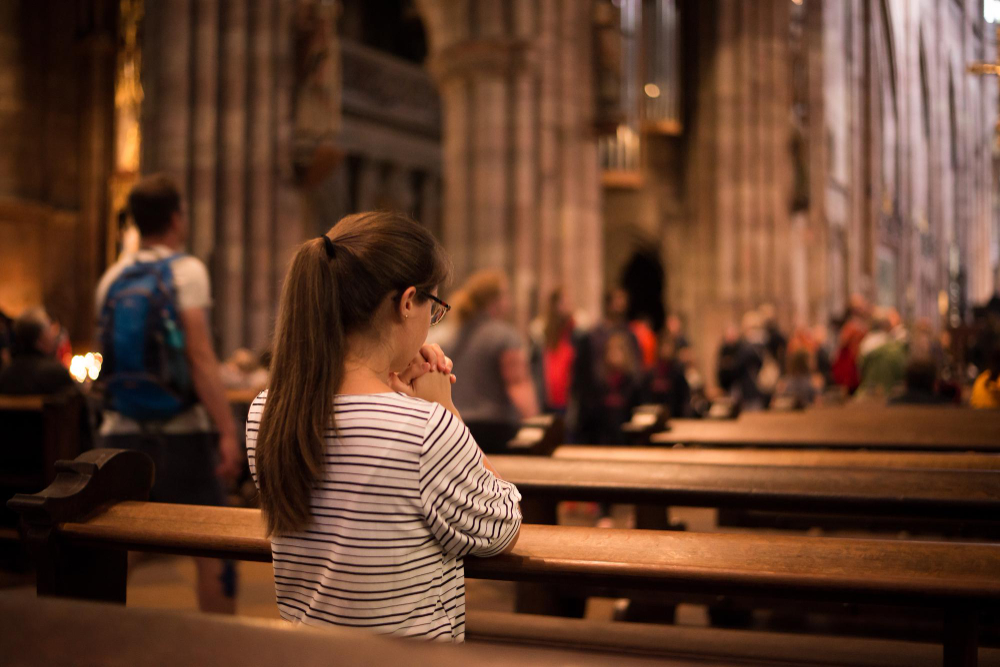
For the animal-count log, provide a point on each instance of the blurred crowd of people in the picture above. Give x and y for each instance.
(596, 374)
(870, 354)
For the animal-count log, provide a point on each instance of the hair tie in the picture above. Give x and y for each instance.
(331, 249)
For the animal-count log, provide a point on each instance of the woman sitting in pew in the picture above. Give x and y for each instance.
(371, 486)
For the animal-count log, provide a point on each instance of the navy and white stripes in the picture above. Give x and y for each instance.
(404, 496)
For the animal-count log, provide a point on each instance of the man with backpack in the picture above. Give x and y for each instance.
(163, 391)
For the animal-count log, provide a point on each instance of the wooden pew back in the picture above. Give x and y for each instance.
(931, 429)
(960, 495)
(783, 457)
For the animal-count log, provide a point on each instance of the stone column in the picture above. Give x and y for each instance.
(174, 87)
(204, 124)
(95, 156)
(229, 274)
(260, 214)
(520, 177)
(288, 218)
(737, 257)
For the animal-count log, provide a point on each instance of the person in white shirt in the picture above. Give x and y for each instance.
(371, 486)
(198, 447)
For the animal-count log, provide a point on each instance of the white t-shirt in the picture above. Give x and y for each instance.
(193, 291)
(403, 497)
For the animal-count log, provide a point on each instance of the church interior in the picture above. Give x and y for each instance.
(711, 312)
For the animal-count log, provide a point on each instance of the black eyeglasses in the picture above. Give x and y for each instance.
(438, 310)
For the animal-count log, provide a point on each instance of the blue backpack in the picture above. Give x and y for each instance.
(145, 371)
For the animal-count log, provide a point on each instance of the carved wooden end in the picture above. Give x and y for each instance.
(81, 487)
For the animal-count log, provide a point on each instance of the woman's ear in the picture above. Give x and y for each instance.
(406, 304)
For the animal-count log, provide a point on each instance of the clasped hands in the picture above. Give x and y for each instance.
(425, 375)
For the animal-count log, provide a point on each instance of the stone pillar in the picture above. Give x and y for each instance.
(174, 102)
(520, 177)
(288, 217)
(204, 125)
(738, 256)
(95, 156)
(230, 269)
(260, 214)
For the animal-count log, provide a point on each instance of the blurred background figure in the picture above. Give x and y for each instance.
(921, 384)
(986, 388)
(33, 368)
(844, 370)
(244, 370)
(775, 341)
(553, 353)
(882, 356)
(740, 360)
(666, 383)
(491, 362)
(618, 391)
(798, 383)
(585, 421)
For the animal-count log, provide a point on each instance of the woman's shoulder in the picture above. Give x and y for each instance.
(389, 400)
(394, 402)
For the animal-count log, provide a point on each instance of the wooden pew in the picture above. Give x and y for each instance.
(782, 457)
(890, 429)
(538, 436)
(960, 495)
(80, 528)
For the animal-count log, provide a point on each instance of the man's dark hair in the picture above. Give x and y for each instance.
(153, 202)
(26, 330)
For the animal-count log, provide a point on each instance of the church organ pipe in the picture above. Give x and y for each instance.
(620, 151)
(660, 94)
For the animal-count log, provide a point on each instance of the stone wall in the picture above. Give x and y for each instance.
(833, 148)
(218, 82)
(911, 191)
(56, 96)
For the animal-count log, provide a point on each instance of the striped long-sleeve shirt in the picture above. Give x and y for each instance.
(403, 497)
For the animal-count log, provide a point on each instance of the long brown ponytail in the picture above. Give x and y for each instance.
(324, 299)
